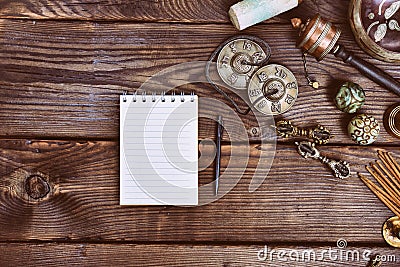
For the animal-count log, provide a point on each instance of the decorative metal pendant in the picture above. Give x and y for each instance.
(319, 134)
(238, 60)
(273, 89)
(341, 169)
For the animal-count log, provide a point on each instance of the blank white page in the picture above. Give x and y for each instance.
(158, 150)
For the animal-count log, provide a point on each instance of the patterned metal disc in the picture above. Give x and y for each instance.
(390, 231)
(235, 59)
(392, 120)
(273, 89)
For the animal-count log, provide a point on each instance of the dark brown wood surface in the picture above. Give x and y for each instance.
(190, 11)
(84, 178)
(63, 65)
(84, 254)
(62, 79)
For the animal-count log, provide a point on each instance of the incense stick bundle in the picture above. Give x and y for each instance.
(387, 175)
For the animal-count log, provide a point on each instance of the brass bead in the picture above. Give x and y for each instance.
(364, 129)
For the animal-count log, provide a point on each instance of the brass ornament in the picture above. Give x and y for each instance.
(238, 60)
(241, 65)
(375, 261)
(231, 69)
(273, 89)
(364, 129)
(392, 120)
(391, 231)
(341, 169)
(319, 134)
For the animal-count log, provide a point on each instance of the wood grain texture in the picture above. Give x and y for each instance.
(83, 201)
(181, 11)
(83, 254)
(62, 68)
(62, 79)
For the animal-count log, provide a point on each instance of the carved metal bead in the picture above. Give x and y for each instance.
(364, 129)
(350, 97)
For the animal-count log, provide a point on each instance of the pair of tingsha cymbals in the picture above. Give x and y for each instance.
(272, 89)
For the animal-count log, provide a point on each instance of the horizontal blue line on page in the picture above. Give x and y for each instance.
(164, 198)
(156, 175)
(147, 149)
(149, 111)
(162, 162)
(162, 143)
(140, 155)
(138, 169)
(155, 186)
(148, 191)
(157, 180)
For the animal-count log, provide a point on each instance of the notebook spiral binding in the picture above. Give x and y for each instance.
(143, 96)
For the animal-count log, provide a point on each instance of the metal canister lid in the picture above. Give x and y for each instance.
(392, 120)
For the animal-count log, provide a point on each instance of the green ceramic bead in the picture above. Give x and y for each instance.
(350, 97)
(363, 129)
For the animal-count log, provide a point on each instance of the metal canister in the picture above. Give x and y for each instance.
(392, 120)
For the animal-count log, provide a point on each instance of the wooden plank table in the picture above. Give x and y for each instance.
(63, 65)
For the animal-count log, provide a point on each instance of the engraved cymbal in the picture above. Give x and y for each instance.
(238, 60)
(273, 89)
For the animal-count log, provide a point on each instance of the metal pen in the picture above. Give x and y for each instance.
(220, 130)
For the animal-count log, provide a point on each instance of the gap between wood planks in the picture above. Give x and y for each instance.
(304, 243)
(288, 142)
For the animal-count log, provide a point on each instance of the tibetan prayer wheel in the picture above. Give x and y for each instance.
(319, 37)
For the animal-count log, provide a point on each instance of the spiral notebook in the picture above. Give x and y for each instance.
(158, 149)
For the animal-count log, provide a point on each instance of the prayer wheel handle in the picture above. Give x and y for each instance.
(319, 37)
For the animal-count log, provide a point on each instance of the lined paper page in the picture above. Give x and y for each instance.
(158, 150)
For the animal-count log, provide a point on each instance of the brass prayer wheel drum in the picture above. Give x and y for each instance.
(318, 37)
